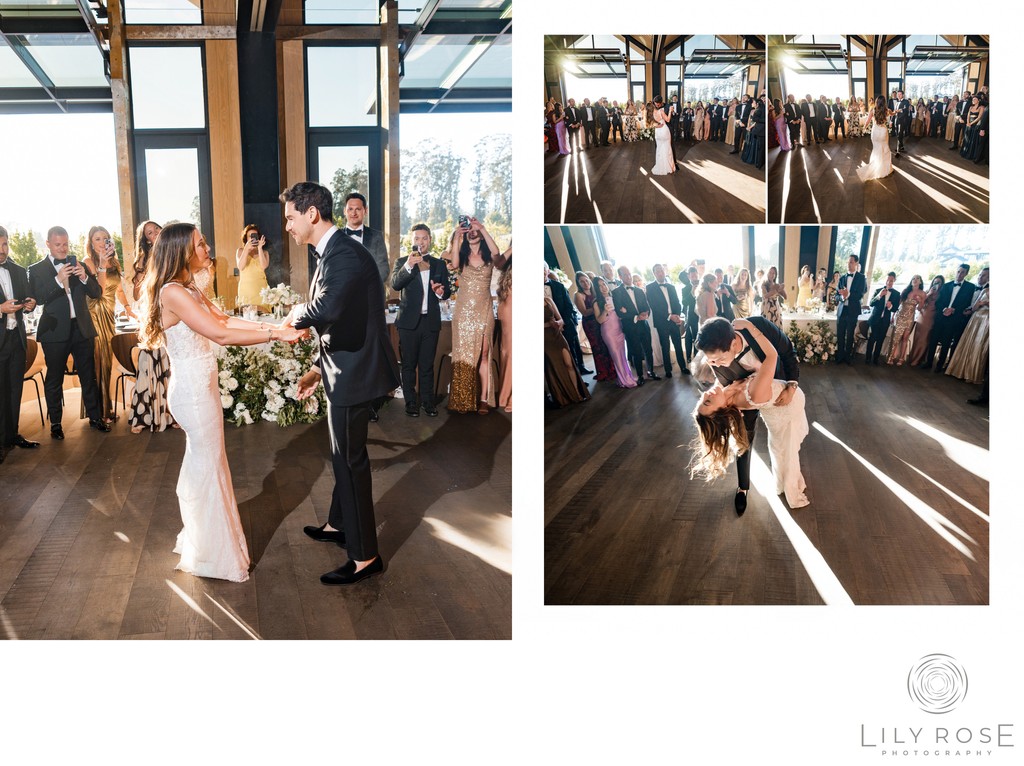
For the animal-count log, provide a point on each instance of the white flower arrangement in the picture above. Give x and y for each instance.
(815, 345)
(282, 295)
(262, 384)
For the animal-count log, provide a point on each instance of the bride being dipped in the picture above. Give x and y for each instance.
(753, 354)
(665, 162)
(178, 315)
(880, 163)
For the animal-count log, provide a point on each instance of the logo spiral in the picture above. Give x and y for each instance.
(937, 683)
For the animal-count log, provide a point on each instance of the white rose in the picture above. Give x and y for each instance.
(231, 384)
(226, 401)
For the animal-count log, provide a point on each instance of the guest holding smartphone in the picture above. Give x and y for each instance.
(252, 260)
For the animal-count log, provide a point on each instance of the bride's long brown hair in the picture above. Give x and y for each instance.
(881, 111)
(171, 254)
(717, 434)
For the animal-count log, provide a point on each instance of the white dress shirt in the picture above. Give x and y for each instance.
(7, 288)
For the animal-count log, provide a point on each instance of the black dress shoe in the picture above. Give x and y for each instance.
(321, 535)
(585, 371)
(668, 373)
(640, 381)
(99, 425)
(412, 410)
(21, 441)
(734, 152)
(740, 502)
(347, 574)
(684, 371)
(57, 432)
(431, 410)
(653, 376)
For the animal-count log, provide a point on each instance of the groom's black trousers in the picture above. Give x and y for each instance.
(352, 502)
(743, 461)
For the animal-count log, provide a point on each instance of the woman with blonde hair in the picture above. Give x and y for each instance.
(101, 261)
(744, 307)
(706, 308)
(176, 315)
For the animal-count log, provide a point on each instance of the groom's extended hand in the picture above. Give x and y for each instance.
(786, 396)
(307, 385)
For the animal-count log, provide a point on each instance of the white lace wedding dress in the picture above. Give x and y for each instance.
(787, 427)
(880, 163)
(664, 161)
(211, 543)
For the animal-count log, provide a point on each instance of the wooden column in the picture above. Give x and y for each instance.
(121, 95)
(389, 113)
(225, 160)
(292, 119)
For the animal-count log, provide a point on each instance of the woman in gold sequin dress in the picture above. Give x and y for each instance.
(470, 253)
(101, 260)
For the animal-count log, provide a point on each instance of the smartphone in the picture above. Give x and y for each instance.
(415, 249)
(253, 237)
(464, 221)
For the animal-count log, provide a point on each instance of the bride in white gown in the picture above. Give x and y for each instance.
(178, 315)
(721, 431)
(665, 162)
(880, 163)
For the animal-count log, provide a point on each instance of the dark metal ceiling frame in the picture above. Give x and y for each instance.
(96, 34)
(22, 52)
(506, 30)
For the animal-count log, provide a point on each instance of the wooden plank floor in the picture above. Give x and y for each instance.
(87, 528)
(613, 184)
(624, 524)
(818, 184)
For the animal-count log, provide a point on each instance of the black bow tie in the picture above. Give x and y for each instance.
(354, 232)
(60, 263)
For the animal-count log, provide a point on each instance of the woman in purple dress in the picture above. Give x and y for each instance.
(558, 118)
(781, 129)
(611, 331)
(584, 300)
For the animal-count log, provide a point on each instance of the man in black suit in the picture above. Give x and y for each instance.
(951, 317)
(733, 355)
(811, 113)
(938, 117)
(852, 287)
(608, 272)
(356, 364)
(674, 116)
(573, 122)
(601, 115)
(616, 117)
(838, 118)
(824, 110)
(716, 121)
(892, 104)
(556, 291)
(422, 280)
(960, 117)
(688, 122)
(690, 280)
(725, 297)
(589, 117)
(14, 301)
(884, 304)
(904, 117)
(371, 239)
(792, 112)
(631, 303)
(61, 285)
(740, 126)
(666, 313)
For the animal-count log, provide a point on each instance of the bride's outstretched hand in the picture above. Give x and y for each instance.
(289, 334)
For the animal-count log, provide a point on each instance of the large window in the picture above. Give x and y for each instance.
(343, 85)
(163, 12)
(928, 251)
(167, 87)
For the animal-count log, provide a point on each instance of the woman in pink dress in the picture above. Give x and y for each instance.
(558, 118)
(611, 331)
(781, 128)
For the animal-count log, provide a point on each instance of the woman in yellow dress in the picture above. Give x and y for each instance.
(101, 260)
(252, 260)
(805, 285)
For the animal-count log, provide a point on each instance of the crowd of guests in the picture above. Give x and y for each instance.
(587, 125)
(80, 300)
(961, 120)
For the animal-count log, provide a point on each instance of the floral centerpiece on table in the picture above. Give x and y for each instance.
(813, 304)
(646, 134)
(815, 345)
(279, 298)
(260, 383)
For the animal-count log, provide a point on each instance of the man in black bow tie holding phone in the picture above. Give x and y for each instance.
(61, 284)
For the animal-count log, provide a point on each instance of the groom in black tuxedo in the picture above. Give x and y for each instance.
(733, 355)
(356, 363)
(902, 120)
(852, 287)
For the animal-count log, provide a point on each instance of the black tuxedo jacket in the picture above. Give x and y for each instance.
(963, 298)
(660, 310)
(55, 322)
(616, 114)
(962, 107)
(857, 290)
(742, 114)
(601, 115)
(805, 111)
(689, 301)
(725, 303)
(787, 367)
(824, 110)
(572, 116)
(19, 283)
(621, 299)
(410, 283)
(904, 112)
(346, 308)
(838, 112)
(880, 315)
(373, 241)
(562, 301)
(792, 112)
(938, 109)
